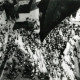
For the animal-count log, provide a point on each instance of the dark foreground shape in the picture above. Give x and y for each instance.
(56, 11)
(26, 25)
(25, 8)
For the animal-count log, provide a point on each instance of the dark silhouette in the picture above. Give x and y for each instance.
(25, 8)
(56, 11)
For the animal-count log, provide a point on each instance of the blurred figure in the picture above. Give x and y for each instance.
(1, 3)
(8, 6)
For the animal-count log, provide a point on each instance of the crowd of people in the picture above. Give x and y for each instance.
(28, 58)
(25, 50)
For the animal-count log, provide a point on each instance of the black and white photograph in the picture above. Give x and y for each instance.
(39, 39)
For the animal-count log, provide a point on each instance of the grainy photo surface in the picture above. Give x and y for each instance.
(39, 40)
